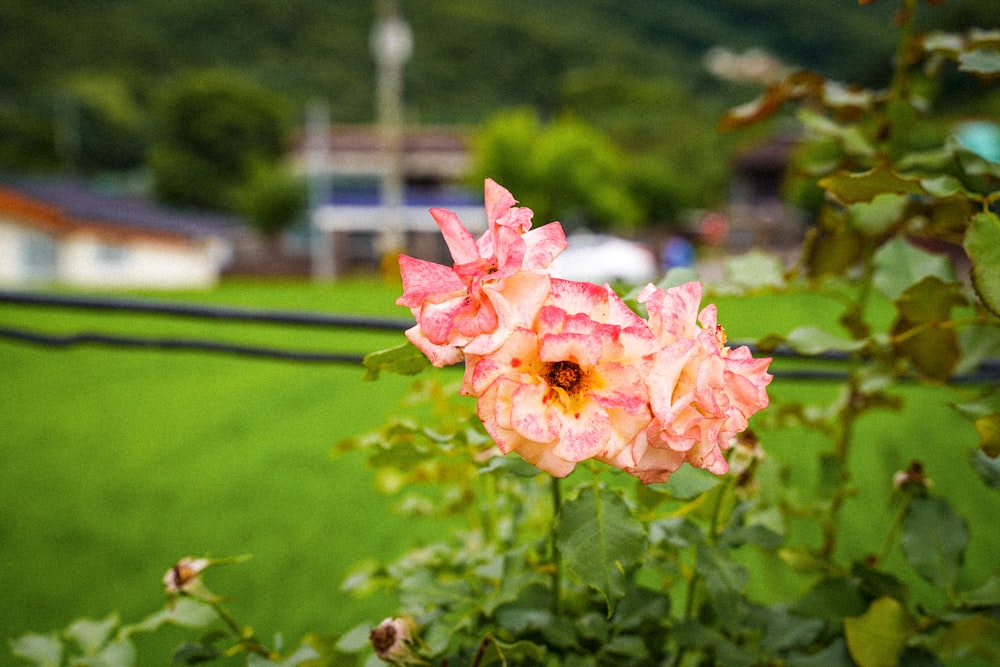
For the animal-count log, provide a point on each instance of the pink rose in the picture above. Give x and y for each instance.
(701, 392)
(496, 283)
(571, 388)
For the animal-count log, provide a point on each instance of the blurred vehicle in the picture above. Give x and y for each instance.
(601, 258)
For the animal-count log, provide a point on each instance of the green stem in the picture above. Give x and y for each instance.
(890, 536)
(249, 641)
(489, 515)
(899, 86)
(554, 542)
(926, 326)
(712, 539)
(850, 412)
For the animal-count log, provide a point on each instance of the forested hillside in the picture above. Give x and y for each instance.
(470, 57)
(79, 81)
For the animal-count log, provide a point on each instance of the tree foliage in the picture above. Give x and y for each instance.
(571, 171)
(213, 128)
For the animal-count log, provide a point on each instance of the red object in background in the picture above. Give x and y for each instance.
(714, 228)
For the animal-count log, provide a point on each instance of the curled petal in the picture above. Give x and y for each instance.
(542, 245)
(653, 465)
(438, 355)
(423, 280)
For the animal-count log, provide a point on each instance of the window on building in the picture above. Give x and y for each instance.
(39, 256)
(112, 255)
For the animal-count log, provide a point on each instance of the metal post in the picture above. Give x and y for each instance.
(392, 44)
(323, 265)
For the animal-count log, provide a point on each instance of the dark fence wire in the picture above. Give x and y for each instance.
(988, 371)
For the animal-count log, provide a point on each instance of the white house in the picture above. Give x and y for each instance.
(64, 232)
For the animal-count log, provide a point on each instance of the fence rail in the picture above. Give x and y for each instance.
(987, 372)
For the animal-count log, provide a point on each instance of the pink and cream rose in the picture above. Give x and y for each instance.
(565, 371)
(496, 283)
(701, 392)
(571, 388)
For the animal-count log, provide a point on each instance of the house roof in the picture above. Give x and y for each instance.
(427, 152)
(64, 206)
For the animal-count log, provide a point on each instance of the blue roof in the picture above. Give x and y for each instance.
(79, 200)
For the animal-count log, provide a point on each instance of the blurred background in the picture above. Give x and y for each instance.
(191, 140)
(282, 154)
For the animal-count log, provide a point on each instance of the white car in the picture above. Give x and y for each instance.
(601, 258)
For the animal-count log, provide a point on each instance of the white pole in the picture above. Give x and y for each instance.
(392, 44)
(323, 265)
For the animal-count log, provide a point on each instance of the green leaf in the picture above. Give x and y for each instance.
(988, 428)
(813, 340)
(834, 655)
(754, 270)
(973, 636)
(785, 631)
(899, 264)
(641, 606)
(628, 646)
(934, 540)
(918, 333)
(687, 482)
(755, 534)
(988, 468)
(185, 612)
(42, 650)
(944, 186)
(832, 598)
(303, 654)
(947, 42)
(91, 635)
(850, 137)
(987, 595)
(356, 639)
(403, 359)
(522, 652)
(600, 541)
(982, 244)
(725, 579)
(876, 638)
(116, 654)
(858, 187)
(981, 61)
(511, 464)
(986, 404)
(832, 252)
(191, 653)
(879, 215)
(979, 343)
(877, 583)
(674, 277)
(691, 633)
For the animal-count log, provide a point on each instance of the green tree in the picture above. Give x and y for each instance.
(271, 198)
(212, 127)
(101, 124)
(568, 170)
(677, 159)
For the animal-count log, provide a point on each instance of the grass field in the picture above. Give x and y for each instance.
(115, 463)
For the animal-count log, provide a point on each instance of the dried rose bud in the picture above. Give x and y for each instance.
(913, 478)
(392, 639)
(184, 574)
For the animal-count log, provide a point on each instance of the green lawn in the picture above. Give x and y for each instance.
(115, 463)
